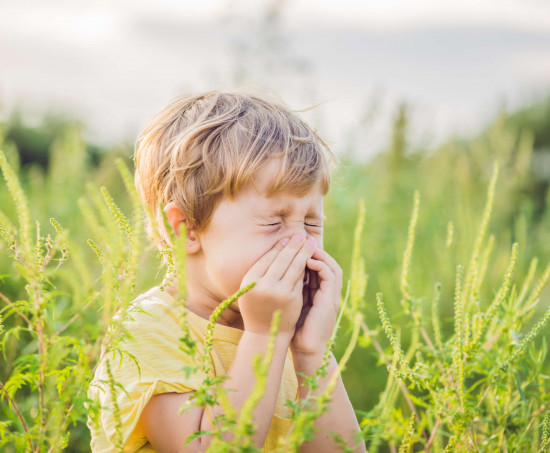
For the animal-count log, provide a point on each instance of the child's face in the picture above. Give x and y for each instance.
(242, 230)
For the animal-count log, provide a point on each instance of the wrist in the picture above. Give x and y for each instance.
(309, 353)
(307, 363)
(305, 368)
(282, 339)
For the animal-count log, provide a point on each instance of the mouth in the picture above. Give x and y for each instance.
(306, 277)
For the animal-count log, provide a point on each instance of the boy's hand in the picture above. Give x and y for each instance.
(279, 284)
(321, 301)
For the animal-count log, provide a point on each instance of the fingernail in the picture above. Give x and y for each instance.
(311, 243)
(299, 238)
(285, 241)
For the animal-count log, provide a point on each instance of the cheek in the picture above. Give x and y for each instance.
(230, 261)
(318, 237)
(256, 250)
(245, 255)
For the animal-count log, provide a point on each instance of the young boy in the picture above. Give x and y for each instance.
(244, 179)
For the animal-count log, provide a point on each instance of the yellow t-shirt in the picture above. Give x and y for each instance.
(155, 332)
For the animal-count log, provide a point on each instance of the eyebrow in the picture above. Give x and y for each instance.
(284, 212)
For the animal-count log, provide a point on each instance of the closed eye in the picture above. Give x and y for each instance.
(307, 224)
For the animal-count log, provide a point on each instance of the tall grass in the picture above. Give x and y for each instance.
(448, 321)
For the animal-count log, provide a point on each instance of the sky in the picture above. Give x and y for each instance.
(114, 64)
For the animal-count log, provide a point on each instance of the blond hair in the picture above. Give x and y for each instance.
(201, 148)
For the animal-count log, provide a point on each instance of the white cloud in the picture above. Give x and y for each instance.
(392, 15)
(117, 63)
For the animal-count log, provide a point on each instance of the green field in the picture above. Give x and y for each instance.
(446, 250)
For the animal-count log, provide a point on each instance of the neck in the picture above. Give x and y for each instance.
(202, 302)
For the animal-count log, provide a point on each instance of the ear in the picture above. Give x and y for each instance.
(178, 222)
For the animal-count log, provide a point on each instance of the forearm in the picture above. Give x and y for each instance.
(339, 417)
(241, 380)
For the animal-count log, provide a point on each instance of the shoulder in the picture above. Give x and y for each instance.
(147, 337)
(154, 305)
(135, 367)
(151, 325)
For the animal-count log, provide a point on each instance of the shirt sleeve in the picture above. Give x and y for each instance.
(149, 362)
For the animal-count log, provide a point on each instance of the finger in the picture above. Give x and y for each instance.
(306, 276)
(294, 275)
(314, 280)
(299, 285)
(262, 265)
(322, 255)
(282, 262)
(308, 292)
(321, 274)
(323, 271)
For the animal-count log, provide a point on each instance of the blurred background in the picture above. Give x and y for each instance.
(113, 64)
(422, 95)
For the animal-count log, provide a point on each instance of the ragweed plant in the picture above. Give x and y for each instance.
(50, 372)
(466, 357)
(53, 333)
(479, 388)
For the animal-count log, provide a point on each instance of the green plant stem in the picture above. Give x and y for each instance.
(433, 434)
(76, 315)
(15, 408)
(405, 290)
(14, 308)
(473, 267)
(388, 363)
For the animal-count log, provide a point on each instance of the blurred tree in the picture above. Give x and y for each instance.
(397, 150)
(34, 142)
(535, 118)
(263, 54)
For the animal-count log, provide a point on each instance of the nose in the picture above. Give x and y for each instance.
(295, 228)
